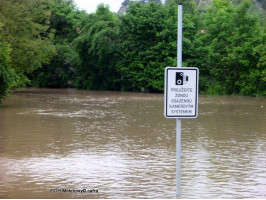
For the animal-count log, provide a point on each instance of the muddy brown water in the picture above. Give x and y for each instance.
(68, 143)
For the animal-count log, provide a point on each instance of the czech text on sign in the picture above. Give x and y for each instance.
(181, 92)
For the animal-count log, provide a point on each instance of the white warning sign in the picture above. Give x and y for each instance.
(181, 92)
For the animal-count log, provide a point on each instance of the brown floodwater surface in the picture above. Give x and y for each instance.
(68, 143)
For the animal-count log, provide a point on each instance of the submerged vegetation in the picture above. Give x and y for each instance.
(50, 43)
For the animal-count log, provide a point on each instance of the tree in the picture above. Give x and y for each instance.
(64, 20)
(140, 56)
(8, 78)
(149, 33)
(97, 47)
(25, 28)
(59, 72)
(231, 35)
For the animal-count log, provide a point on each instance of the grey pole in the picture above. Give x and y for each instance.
(178, 121)
(178, 158)
(179, 36)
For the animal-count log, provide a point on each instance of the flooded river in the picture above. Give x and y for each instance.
(71, 143)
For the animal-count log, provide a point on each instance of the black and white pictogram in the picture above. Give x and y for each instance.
(181, 78)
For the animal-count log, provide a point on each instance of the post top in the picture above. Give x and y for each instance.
(180, 4)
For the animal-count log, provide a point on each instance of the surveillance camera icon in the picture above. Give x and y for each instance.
(181, 78)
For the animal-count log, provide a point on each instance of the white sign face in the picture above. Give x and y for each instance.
(181, 92)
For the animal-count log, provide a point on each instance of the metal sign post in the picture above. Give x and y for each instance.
(180, 96)
(179, 35)
(178, 120)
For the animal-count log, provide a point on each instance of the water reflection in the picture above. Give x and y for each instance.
(121, 145)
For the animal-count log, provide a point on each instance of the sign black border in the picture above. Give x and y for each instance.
(166, 89)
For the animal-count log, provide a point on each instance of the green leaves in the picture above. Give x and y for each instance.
(231, 36)
(59, 73)
(8, 77)
(148, 31)
(97, 47)
(65, 22)
(54, 44)
(25, 28)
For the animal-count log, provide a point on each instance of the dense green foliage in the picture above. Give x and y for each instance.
(25, 41)
(144, 52)
(26, 29)
(229, 46)
(7, 75)
(59, 72)
(50, 43)
(97, 47)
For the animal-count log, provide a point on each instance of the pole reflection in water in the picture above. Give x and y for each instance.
(68, 141)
